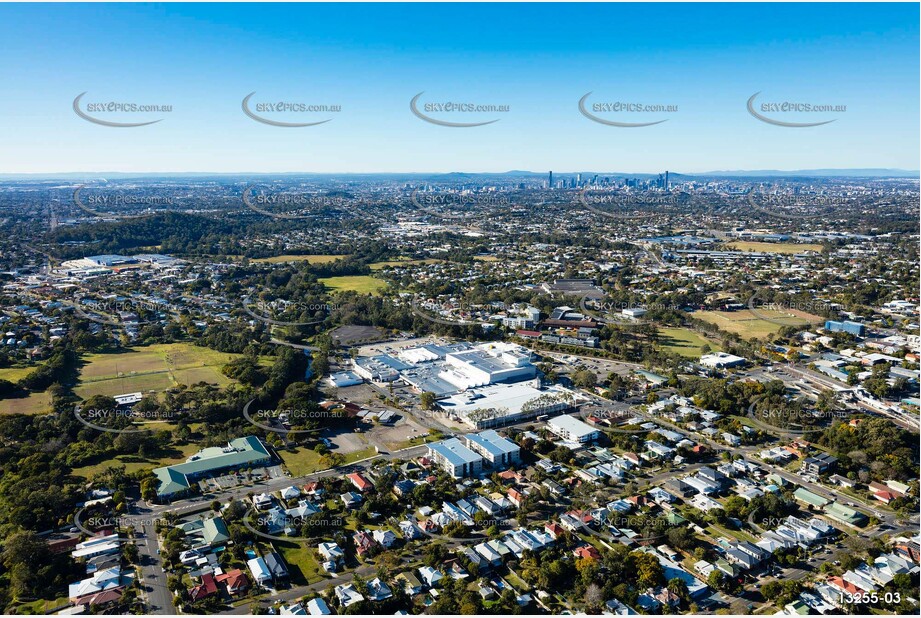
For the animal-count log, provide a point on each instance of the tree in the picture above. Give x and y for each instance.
(648, 570)
(25, 548)
(681, 538)
(771, 590)
(715, 579)
(584, 378)
(130, 552)
(427, 400)
(679, 588)
(594, 598)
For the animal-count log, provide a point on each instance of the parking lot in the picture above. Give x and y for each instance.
(241, 477)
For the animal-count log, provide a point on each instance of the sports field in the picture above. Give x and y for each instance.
(749, 325)
(773, 247)
(363, 284)
(152, 368)
(313, 259)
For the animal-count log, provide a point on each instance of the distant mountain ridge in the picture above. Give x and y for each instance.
(811, 173)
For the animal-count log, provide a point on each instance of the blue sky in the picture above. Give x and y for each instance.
(538, 59)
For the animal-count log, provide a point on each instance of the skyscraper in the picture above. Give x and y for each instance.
(551, 179)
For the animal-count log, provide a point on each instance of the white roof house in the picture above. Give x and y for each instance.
(348, 594)
(318, 607)
(259, 570)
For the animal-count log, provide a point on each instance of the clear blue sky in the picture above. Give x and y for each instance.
(539, 59)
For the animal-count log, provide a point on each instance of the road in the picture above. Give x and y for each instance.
(153, 578)
(746, 452)
(144, 515)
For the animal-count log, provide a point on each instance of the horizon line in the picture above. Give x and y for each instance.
(814, 171)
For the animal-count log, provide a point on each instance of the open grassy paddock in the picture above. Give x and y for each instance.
(773, 247)
(684, 342)
(132, 463)
(363, 284)
(14, 374)
(749, 325)
(152, 368)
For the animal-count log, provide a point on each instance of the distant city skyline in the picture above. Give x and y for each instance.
(717, 77)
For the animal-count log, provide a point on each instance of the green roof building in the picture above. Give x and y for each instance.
(846, 515)
(674, 519)
(214, 531)
(239, 453)
(809, 498)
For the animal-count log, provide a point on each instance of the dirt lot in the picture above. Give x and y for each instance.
(350, 335)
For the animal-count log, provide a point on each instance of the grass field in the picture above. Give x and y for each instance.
(751, 326)
(304, 461)
(363, 284)
(773, 247)
(14, 374)
(313, 259)
(302, 564)
(35, 403)
(132, 463)
(156, 367)
(152, 368)
(684, 342)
